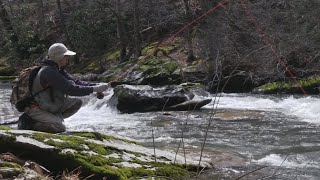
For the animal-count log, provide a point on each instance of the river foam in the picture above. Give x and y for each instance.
(305, 108)
(284, 161)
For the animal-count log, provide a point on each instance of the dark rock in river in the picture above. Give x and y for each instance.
(144, 98)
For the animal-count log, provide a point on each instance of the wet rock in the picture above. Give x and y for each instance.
(189, 105)
(143, 98)
(149, 70)
(234, 115)
(108, 157)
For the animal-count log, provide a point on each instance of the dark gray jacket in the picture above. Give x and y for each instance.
(60, 84)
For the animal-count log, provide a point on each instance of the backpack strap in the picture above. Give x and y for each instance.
(35, 94)
(33, 76)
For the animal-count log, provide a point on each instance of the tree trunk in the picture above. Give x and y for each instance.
(64, 29)
(188, 36)
(41, 18)
(10, 8)
(4, 16)
(121, 34)
(136, 29)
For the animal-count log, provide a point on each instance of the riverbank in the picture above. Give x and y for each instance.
(93, 154)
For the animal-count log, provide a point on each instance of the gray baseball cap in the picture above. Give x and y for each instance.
(58, 50)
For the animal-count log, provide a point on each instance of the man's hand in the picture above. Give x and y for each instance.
(113, 84)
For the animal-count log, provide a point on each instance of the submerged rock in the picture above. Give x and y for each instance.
(189, 105)
(94, 154)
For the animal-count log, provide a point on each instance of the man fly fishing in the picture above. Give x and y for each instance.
(48, 108)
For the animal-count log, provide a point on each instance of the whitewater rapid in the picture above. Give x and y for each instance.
(305, 108)
(285, 135)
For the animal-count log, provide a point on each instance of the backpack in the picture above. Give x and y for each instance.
(21, 95)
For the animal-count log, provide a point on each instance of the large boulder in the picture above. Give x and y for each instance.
(93, 154)
(143, 98)
(147, 70)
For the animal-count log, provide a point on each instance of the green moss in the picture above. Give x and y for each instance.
(7, 70)
(113, 56)
(155, 66)
(172, 172)
(98, 148)
(43, 136)
(100, 136)
(70, 142)
(103, 166)
(99, 164)
(93, 67)
(5, 128)
(138, 172)
(7, 137)
(9, 165)
(308, 84)
(11, 169)
(271, 86)
(95, 165)
(168, 48)
(171, 47)
(7, 78)
(148, 50)
(170, 66)
(98, 160)
(85, 134)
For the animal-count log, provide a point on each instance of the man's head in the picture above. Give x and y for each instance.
(59, 53)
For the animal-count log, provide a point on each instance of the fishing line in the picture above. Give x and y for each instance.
(311, 159)
(170, 38)
(294, 145)
(193, 22)
(267, 41)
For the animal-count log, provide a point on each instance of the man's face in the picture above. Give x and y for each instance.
(65, 61)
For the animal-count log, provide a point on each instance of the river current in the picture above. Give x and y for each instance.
(254, 136)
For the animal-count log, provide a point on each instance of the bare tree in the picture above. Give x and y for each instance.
(121, 33)
(188, 36)
(41, 19)
(4, 16)
(136, 30)
(64, 28)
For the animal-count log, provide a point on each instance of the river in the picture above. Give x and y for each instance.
(272, 136)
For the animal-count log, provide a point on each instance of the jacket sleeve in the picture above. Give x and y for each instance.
(54, 79)
(76, 81)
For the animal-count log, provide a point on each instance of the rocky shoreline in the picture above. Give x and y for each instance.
(92, 154)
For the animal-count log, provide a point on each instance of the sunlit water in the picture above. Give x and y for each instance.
(283, 134)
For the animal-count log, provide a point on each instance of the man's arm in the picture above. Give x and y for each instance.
(76, 81)
(56, 80)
